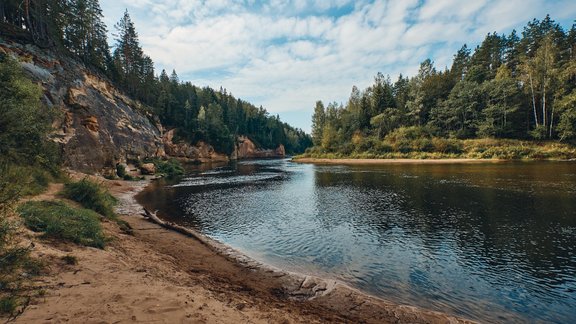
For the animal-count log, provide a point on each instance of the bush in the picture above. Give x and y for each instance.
(422, 145)
(60, 221)
(447, 146)
(121, 170)
(170, 168)
(91, 195)
(8, 304)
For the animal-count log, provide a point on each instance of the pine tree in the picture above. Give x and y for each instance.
(128, 54)
(85, 33)
(318, 122)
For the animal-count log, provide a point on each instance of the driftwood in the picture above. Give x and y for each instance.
(174, 227)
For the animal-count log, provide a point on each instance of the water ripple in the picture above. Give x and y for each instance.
(494, 242)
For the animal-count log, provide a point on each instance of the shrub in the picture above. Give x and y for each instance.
(8, 304)
(422, 145)
(91, 195)
(60, 221)
(121, 170)
(446, 146)
(170, 168)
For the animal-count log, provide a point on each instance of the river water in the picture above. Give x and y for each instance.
(493, 242)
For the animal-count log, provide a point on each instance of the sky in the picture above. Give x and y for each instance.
(287, 54)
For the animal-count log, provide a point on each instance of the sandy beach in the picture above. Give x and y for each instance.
(162, 276)
(391, 161)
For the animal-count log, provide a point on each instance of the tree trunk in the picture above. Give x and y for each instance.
(551, 121)
(544, 105)
(533, 99)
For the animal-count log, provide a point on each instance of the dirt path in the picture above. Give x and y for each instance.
(160, 276)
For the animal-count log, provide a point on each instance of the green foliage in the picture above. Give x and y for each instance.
(28, 162)
(8, 304)
(91, 195)
(24, 122)
(170, 168)
(414, 147)
(60, 221)
(121, 170)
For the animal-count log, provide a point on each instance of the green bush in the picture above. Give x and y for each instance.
(60, 221)
(170, 168)
(423, 145)
(91, 195)
(8, 304)
(121, 170)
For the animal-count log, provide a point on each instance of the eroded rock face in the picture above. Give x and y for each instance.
(98, 125)
(201, 152)
(246, 149)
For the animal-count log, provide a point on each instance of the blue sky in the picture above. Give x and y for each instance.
(286, 54)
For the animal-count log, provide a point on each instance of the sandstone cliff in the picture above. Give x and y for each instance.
(201, 152)
(98, 126)
(246, 149)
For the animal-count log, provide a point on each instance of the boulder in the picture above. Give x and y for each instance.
(148, 168)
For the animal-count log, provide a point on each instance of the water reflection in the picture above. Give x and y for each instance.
(495, 242)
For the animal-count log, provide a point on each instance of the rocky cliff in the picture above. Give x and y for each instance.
(246, 149)
(201, 152)
(98, 126)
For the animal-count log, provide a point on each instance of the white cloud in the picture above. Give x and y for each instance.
(286, 54)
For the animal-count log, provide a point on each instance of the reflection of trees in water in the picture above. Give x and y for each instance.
(521, 229)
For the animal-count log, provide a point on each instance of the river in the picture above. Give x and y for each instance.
(488, 241)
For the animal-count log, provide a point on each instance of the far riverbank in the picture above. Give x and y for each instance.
(392, 161)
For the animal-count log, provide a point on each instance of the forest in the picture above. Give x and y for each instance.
(520, 87)
(76, 28)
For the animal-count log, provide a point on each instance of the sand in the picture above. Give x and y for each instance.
(158, 275)
(391, 161)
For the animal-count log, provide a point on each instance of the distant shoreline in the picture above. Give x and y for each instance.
(393, 161)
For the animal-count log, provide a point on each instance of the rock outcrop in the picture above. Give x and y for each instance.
(99, 126)
(246, 149)
(201, 152)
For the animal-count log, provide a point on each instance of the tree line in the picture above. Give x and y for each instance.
(511, 86)
(76, 28)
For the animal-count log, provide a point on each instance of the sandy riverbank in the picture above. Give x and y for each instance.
(158, 275)
(391, 161)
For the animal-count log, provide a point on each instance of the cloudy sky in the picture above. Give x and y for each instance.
(286, 54)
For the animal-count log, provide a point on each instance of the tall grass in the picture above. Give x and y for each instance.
(14, 260)
(94, 196)
(91, 195)
(57, 220)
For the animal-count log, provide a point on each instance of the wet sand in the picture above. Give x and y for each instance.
(160, 275)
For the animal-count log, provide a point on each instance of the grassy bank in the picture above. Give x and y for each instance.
(57, 220)
(441, 148)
